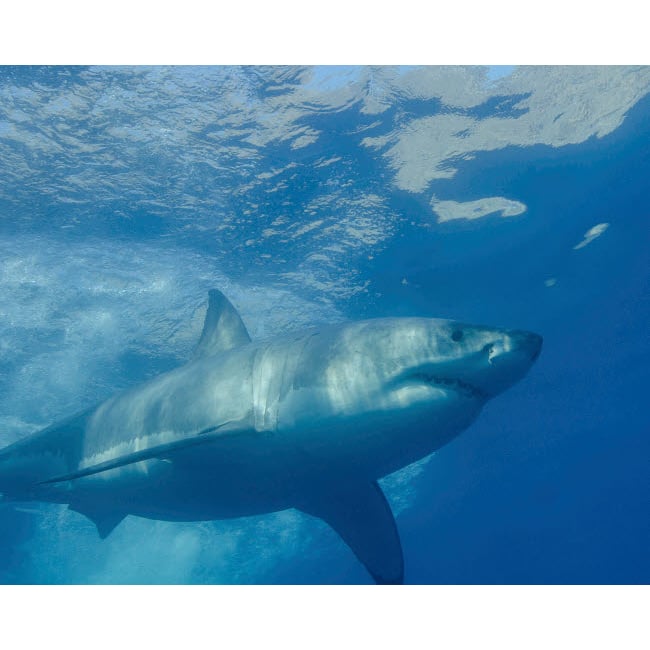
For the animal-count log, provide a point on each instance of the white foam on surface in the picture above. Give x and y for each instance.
(591, 234)
(555, 106)
(470, 210)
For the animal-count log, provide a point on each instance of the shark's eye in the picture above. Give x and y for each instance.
(457, 335)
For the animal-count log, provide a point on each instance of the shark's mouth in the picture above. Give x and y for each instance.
(458, 385)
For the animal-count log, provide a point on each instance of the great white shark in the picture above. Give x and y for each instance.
(308, 421)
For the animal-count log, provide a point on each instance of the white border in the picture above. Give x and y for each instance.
(336, 31)
(503, 32)
(325, 617)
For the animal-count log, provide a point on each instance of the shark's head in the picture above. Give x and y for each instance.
(474, 361)
(408, 365)
(393, 390)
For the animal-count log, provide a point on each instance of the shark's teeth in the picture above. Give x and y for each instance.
(455, 384)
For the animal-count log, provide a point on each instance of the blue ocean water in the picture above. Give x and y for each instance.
(516, 197)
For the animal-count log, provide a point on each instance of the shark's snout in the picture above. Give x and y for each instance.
(528, 342)
(504, 360)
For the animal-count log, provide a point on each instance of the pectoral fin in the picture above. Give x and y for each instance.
(163, 451)
(360, 514)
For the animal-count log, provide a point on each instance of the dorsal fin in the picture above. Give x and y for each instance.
(223, 328)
